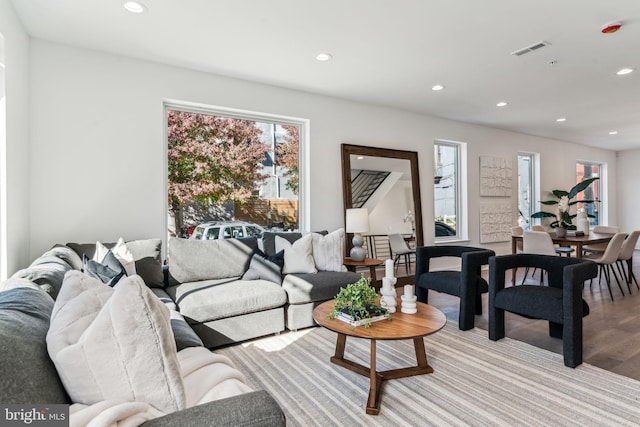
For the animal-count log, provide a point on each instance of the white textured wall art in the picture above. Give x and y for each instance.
(496, 176)
(495, 222)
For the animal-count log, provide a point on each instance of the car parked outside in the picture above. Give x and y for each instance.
(443, 230)
(226, 230)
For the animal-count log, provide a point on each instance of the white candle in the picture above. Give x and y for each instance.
(408, 290)
(388, 268)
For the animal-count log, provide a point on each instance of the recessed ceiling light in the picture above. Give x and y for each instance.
(561, 119)
(135, 7)
(613, 132)
(360, 157)
(324, 56)
(624, 71)
(437, 87)
(501, 104)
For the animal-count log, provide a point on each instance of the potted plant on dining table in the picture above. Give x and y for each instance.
(563, 219)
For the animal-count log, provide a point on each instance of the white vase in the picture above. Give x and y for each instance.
(582, 224)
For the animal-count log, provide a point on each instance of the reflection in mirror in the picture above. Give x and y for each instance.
(386, 182)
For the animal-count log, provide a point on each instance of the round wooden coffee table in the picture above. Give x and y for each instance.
(426, 321)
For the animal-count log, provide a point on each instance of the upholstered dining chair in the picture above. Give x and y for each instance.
(467, 284)
(560, 250)
(599, 248)
(560, 303)
(607, 259)
(399, 248)
(626, 257)
(537, 242)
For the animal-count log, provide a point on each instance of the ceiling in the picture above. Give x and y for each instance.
(392, 52)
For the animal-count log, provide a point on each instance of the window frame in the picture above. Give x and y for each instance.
(304, 198)
(3, 164)
(534, 184)
(462, 233)
(602, 200)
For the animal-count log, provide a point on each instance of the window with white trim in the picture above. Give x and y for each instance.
(526, 189)
(586, 170)
(450, 190)
(232, 166)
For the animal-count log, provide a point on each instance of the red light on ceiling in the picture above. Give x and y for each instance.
(612, 28)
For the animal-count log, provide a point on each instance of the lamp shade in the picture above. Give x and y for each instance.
(357, 220)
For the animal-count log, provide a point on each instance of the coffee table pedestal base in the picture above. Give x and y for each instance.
(376, 378)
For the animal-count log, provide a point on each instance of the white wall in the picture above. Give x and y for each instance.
(15, 254)
(628, 174)
(388, 215)
(97, 134)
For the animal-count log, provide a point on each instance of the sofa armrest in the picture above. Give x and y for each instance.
(248, 409)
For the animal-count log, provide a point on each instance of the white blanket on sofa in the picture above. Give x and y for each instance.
(207, 376)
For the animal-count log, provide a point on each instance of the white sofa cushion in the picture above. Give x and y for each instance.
(114, 344)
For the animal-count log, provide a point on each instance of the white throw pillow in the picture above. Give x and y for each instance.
(122, 253)
(298, 257)
(114, 344)
(100, 253)
(328, 251)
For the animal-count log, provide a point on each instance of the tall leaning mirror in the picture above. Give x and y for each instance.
(387, 183)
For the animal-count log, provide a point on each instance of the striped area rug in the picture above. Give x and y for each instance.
(477, 382)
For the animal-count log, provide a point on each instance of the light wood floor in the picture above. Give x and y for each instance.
(611, 331)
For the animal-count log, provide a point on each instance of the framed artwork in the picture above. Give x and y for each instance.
(496, 176)
(495, 222)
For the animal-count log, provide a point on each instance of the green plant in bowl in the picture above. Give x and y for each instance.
(358, 300)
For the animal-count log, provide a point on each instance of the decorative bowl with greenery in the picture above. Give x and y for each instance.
(564, 218)
(358, 300)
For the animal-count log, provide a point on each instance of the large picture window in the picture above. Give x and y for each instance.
(449, 207)
(231, 175)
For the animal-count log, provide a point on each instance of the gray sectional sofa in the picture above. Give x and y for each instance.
(217, 293)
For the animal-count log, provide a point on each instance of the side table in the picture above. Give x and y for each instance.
(372, 263)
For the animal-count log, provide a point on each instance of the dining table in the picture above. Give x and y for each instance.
(578, 241)
(567, 241)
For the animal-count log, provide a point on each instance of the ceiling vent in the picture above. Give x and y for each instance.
(529, 49)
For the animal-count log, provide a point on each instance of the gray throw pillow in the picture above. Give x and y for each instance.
(109, 272)
(147, 255)
(28, 374)
(265, 267)
(269, 240)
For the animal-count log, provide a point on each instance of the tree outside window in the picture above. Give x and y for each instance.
(585, 170)
(226, 169)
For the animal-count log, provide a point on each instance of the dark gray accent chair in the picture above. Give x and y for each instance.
(467, 284)
(560, 303)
